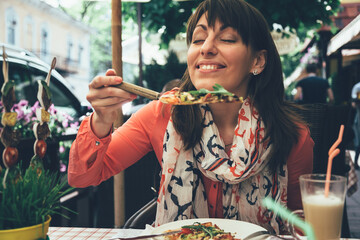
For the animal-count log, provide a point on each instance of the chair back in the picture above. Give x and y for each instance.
(150, 172)
(324, 122)
(145, 215)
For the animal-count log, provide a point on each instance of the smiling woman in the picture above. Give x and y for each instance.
(218, 159)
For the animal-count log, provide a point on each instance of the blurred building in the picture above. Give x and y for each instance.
(349, 9)
(341, 51)
(48, 32)
(337, 53)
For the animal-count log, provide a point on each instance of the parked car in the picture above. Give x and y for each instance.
(25, 68)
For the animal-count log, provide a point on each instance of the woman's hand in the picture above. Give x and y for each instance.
(106, 101)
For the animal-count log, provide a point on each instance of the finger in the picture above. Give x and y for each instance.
(109, 107)
(108, 101)
(101, 81)
(110, 72)
(110, 94)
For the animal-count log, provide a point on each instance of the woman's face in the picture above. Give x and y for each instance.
(218, 55)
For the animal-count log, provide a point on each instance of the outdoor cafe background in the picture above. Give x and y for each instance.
(338, 54)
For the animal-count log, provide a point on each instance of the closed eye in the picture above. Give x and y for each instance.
(197, 41)
(228, 40)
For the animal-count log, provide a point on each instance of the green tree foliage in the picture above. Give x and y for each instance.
(295, 14)
(166, 16)
(169, 18)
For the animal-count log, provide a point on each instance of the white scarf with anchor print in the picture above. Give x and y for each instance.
(245, 175)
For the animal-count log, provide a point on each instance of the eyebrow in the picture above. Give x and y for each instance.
(223, 27)
(204, 27)
(201, 26)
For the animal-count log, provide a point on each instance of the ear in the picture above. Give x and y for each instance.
(259, 62)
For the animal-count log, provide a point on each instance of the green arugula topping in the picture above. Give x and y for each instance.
(211, 231)
(218, 89)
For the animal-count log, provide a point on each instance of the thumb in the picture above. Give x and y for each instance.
(110, 72)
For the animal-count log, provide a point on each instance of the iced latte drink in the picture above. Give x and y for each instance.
(324, 213)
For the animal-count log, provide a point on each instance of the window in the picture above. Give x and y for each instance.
(29, 33)
(69, 48)
(11, 26)
(80, 54)
(44, 44)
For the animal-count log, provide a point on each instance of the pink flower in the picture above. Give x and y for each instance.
(67, 116)
(23, 103)
(62, 167)
(65, 123)
(36, 105)
(74, 125)
(52, 109)
(20, 113)
(61, 149)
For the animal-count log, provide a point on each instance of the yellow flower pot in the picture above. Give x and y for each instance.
(27, 233)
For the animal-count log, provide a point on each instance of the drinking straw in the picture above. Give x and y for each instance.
(284, 213)
(338, 141)
(333, 152)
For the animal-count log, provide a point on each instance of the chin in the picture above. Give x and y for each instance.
(205, 84)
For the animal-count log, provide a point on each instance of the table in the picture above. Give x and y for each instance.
(67, 233)
(72, 233)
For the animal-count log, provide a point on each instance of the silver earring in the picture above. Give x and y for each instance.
(255, 72)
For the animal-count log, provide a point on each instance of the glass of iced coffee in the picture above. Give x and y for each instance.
(323, 211)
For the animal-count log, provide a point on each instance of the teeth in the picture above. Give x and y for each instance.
(208, 67)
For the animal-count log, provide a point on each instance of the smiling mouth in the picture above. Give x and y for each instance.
(209, 67)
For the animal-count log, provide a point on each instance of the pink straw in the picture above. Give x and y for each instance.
(333, 152)
(338, 141)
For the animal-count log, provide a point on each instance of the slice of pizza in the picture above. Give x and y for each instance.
(204, 231)
(219, 95)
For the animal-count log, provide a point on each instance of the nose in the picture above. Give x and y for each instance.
(208, 47)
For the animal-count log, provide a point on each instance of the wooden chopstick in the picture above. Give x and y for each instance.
(141, 91)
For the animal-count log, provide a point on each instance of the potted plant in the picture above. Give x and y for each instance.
(28, 201)
(28, 197)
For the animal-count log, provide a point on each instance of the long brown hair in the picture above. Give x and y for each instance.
(266, 89)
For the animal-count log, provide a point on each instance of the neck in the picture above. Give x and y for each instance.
(311, 74)
(225, 116)
(225, 113)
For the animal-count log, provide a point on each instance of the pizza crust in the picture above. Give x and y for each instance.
(175, 97)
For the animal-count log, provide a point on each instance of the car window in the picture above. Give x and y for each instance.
(26, 87)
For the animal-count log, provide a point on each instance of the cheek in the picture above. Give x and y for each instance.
(243, 60)
(191, 59)
(191, 56)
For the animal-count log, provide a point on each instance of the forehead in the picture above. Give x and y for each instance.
(203, 22)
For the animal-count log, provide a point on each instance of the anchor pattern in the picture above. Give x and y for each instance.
(245, 174)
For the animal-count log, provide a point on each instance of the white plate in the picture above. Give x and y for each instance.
(239, 229)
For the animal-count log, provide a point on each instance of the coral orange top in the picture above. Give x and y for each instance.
(144, 132)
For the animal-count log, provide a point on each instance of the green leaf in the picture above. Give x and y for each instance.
(29, 200)
(218, 89)
(7, 87)
(46, 88)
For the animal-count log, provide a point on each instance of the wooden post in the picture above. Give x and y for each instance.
(140, 47)
(119, 188)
